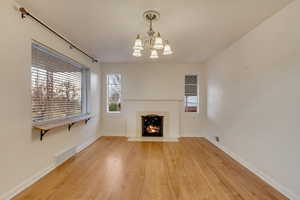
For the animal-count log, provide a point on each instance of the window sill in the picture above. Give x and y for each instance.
(117, 112)
(44, 127)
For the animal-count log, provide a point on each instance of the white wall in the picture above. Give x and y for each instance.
(253, 97)
(22, 154)
(155, 81)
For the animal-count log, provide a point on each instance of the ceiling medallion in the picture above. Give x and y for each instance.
(153, 41)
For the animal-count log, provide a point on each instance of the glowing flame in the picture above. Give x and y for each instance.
(153, 129)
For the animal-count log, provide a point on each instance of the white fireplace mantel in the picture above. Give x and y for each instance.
(133, 109)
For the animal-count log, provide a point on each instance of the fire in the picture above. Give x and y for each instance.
(153, 129)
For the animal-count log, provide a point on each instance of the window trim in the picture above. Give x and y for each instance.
(198, 91)
(85, 81)
(107, 95)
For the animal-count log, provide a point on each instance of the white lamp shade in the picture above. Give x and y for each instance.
(154, 54)
(137, 53)
(138, 44)
(158, 43)
(167, 50)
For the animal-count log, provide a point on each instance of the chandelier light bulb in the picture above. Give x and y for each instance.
(137, 53)
(138, 44)
(154, 54)
(167, 50)
(158, 43)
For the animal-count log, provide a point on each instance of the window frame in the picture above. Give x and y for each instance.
(107, 93)
(85, 81)
(198, 91)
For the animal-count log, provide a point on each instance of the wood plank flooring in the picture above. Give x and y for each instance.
(115, 169)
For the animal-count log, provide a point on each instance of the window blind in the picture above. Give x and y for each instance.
(191, 93)
(191, 85)
(56, 85)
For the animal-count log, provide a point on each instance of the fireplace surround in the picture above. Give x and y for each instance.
(134, 109)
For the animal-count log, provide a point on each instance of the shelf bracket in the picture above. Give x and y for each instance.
(70, 126)
(86, 121)
(43, 132)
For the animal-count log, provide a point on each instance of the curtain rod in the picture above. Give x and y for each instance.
(25, 13)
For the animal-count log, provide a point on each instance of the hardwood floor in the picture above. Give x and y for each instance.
(115, 169)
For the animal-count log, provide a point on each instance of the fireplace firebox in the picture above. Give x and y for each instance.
(152, 126)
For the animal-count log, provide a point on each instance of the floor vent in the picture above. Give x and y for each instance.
(64, 155)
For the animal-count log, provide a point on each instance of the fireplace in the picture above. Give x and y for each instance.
(152, 126)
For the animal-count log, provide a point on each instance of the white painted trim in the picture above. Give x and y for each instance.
(34, 178)
(285, 191)
(87, 143)
(152, 139)
(107, 91)
(64, 155)
(198, 92)
(191, 135)
(114, 134)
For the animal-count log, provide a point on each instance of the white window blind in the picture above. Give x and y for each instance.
(191, 93)
(57, 85)
(113, 92)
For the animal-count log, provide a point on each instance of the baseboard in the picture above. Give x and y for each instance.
(31, 180)
(151, 139)
(192, 136)
(282, 189)
(114, 134)
(87, 143)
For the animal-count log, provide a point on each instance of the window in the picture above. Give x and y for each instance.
(59, 85)
(113, 93)
(191, 93)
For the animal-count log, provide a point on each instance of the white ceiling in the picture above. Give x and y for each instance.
(196, 29)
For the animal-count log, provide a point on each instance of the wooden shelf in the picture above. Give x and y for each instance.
(45, 127)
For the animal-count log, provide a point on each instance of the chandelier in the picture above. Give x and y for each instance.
(154, 42)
